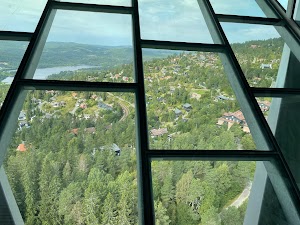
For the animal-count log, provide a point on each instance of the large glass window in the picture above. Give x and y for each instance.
(123, 112)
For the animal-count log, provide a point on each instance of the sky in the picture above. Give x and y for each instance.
(168, 20)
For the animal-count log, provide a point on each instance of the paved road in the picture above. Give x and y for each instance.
(243, 196)
(75, 108)
(125, 111)
(125, 108)
(121, 99)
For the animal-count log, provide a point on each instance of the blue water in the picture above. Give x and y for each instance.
(42, 74)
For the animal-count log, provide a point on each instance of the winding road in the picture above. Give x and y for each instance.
(124, 107)
(126, 111)
(242, 197)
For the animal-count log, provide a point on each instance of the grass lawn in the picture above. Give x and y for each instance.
(70, 103)
(91, 110)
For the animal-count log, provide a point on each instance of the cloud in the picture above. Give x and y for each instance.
(93, 28)
(172, 20)
(20, 15)
(237, 7)
(245, 32)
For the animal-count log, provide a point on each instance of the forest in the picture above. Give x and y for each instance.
(73, 160)
(56, 54)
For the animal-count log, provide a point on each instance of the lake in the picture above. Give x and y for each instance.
(42, 74)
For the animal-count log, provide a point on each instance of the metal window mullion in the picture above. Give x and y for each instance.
(215, 155)
(275, 92)
(185, 46)
(92, 7)
(30, 84)
(15, 36)
(146, 207)
(249, 20)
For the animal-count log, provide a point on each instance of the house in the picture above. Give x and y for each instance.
(94, 97)
(187, 107)
(86, 116)
(74, 95)
(83, 105)
(35, 100)
(116, 149)
(264, 106)
(22, 116)
(246, 128)
(230, 118)
(23, 124)
(104, 106)
(161, 99)
(266, 66)
(48, 116)
(223, 98)
(74, 131)
(177, 112)
(158, 132)
(172, 89)
(235, 117)
(196, 96)
(21, 147)
(164, 71)
(90, 130)
(52, 92)
(202, 58)
(117, 76)
(55, 104)
(58, 104)
(253, 46)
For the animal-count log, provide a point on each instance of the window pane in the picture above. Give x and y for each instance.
(191, 105)
(89, 43)
(206, 192)
(103, 2)
(11, 53)
(237, 7)
(21, 15)
(173, 20)
(284, 3)
(72, 159)
(258, 48)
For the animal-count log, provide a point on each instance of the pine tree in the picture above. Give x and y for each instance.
(161, 217)
(109, 212)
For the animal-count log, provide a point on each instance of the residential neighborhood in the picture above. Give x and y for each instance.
(76, 150)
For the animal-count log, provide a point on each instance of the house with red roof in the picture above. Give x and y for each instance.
(21, 147)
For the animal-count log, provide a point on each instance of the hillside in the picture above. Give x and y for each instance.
(71, 54)
(73, 159)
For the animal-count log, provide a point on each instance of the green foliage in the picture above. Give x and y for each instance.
(69, 173)
(232, 216)
(161, 217)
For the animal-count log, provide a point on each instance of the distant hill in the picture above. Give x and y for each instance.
(71, 54)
